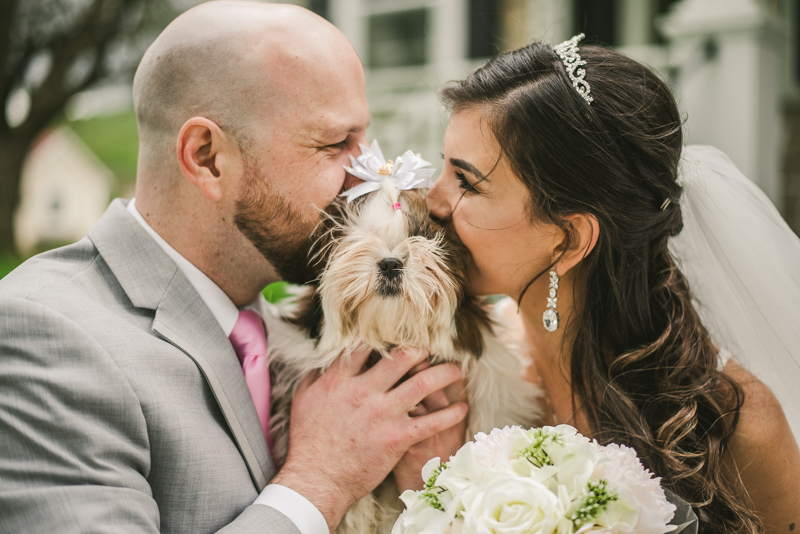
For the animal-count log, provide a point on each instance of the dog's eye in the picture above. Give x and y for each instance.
(464, 184)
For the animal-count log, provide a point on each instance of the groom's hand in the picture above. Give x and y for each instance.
(350, 427)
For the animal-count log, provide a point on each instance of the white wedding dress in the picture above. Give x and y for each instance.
(743, 265)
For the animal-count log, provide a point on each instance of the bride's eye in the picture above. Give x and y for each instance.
(464, 184)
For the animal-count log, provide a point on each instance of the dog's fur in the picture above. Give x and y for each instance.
(423, 305)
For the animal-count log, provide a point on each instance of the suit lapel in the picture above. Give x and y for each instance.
(152, 281)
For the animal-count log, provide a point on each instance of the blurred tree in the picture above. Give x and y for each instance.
(49, 51)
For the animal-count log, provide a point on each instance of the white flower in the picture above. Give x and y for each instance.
(463, 479)
(513, 505)
(641, 506)
(422, 519)
(548, 480)
(408, 171)
(496, 449)
(556, 456)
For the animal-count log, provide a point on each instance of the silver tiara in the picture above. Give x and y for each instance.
(568, 52)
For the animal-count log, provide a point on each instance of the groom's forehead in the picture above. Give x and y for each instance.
(340, 129)
(338, 122)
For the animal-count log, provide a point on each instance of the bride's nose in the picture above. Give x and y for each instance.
(438, 206)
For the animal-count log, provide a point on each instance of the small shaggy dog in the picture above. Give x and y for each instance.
(391, 278)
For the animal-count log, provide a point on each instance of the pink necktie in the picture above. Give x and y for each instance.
(250, 343)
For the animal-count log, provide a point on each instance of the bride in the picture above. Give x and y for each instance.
(569, 188)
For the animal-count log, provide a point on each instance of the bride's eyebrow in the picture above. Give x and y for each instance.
(469, 167)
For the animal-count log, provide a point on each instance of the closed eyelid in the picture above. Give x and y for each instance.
(470, 168)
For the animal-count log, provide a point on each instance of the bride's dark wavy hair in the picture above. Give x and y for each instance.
(643, 367)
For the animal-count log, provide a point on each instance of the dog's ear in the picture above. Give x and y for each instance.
(308, 316)
(419, 224)
(472, 320)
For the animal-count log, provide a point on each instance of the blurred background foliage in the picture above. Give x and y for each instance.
(52, 51)
(115, 141)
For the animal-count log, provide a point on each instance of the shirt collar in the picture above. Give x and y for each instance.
(222, 307)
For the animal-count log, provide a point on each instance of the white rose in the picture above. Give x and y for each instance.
(513, 506)
(425, 520)
(457, 527)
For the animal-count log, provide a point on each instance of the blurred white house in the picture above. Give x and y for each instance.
(64, 191)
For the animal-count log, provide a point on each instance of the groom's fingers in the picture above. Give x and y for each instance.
(423, 384)
(436, 401)
(387, 372)
(418, 410)
(306, 382)
(352, 363)
(421, 428)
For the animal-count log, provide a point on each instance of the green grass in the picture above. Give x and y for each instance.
(114, 140)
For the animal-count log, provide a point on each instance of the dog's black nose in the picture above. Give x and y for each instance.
(390, 267)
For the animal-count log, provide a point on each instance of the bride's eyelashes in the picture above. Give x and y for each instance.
(465, 184)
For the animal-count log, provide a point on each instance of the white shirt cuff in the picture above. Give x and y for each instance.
(306, 517)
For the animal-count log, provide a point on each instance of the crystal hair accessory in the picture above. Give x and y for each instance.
(408, 171)
(568, 52)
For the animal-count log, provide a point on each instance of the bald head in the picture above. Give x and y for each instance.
(235, 63)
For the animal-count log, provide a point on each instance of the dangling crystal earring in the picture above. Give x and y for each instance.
(550, 315)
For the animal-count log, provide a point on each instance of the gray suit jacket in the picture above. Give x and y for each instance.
(123, 407)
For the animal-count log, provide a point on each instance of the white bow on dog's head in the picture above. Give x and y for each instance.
(408, 171)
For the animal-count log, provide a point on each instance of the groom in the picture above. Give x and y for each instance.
(133, 363)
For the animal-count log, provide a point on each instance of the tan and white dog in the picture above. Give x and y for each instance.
(392, 278)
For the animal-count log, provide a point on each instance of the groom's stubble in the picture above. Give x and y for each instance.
(275, 228)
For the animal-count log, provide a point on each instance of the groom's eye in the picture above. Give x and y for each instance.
(341, 145)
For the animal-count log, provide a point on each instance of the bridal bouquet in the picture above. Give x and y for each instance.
(539, 481)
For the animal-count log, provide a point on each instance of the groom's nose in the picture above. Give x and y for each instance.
(350, 181)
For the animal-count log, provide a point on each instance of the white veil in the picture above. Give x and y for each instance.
(743, 264)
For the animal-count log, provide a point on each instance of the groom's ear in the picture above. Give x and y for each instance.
(206, 156)
(580, 235)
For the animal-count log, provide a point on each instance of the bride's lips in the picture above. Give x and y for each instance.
(447, 224)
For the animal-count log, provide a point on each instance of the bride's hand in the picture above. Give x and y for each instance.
(408, 471)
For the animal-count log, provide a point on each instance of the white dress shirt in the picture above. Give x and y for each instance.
(306, 516)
